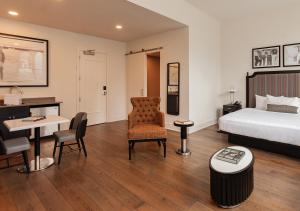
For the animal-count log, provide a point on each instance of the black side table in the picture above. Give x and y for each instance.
(231, 108)
(183, 133)
(231, 184)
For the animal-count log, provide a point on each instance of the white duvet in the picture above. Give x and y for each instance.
(272, 126)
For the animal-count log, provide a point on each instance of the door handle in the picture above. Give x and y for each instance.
(104, 88)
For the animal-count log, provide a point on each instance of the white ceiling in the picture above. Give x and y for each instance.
(93, 17)
(234, 9)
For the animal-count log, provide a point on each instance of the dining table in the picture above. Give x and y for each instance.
(36, 123)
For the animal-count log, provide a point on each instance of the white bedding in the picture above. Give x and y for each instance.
(272, 126)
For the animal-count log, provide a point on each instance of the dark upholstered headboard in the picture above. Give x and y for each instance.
(276, 83)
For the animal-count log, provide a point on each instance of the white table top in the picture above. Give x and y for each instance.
(225, 167)
(18, 124)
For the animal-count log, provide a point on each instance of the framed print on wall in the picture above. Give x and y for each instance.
(173, 88)
(291, 55)
(23, 61)
(266, 57)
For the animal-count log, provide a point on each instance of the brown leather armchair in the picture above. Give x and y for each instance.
(146, 123)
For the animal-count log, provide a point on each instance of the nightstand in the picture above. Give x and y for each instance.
(231, 108)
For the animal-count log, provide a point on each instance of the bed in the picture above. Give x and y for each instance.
(270, 131)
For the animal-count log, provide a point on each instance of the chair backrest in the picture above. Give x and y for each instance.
(77, 119)
(80, 132)
(79, 123)
(145, 110)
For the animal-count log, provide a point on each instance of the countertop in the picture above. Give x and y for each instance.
(33, 102)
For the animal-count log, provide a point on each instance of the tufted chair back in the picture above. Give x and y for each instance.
(145, 111)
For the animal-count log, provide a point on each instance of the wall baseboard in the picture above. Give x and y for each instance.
(116, 118)
(202, 126)
(170, 126)
(193, 129)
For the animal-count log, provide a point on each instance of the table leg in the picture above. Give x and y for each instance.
(38, 163)
(183, 150)
(37, 148)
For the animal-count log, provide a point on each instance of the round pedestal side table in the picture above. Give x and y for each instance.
(231, 184)
(183, 134)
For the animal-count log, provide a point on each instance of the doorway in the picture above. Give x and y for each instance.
(92, 85)
(153, 74)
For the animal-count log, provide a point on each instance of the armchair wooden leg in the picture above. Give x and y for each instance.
(7, 162)
(132, 145)
(129, 149)
(25, 157)
(165, 147)
(54, 150)
(159, 144)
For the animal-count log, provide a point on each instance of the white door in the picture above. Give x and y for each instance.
(92, 86)
(136, 76)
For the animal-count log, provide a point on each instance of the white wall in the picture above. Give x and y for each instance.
(63, 55)
(175, 49)
(240, 36)
(204, 56)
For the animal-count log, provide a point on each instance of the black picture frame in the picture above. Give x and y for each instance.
(284, 55)
(266, 60)
(173, 96)
(32, 39)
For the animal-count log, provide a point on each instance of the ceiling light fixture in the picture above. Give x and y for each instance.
(13, 13)
(119, 27)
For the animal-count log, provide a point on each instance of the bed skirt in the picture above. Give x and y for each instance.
(270, 146)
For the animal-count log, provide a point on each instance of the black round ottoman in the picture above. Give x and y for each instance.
(183, 134)
(231, 184)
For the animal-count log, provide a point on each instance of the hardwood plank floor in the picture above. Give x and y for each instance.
(107, 180)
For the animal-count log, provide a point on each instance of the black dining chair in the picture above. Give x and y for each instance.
(11, 147)
(75, 133)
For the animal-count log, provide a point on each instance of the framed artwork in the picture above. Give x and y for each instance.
(173, 88)
(173, 74)
(291, 55)
(266, 57)
(23, 61)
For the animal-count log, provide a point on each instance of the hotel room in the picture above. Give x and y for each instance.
(149, 105)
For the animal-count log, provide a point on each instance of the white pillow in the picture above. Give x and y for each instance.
(290, 101)
(261, 102)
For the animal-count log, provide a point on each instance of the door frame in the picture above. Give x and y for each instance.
(146, 72)
(79, 51)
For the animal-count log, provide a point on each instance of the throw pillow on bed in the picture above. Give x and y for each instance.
(282, 108)
(290, 101)
(261, 102)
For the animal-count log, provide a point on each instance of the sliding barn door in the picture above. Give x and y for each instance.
(136, 76)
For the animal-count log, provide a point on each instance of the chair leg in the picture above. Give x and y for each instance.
(165, 147)
(54, 150)
(78, 144)
(129, 149)
(159, 144)
(132, 145)
(60, 152)
(7, 162)
(25, 157)
(83, 146)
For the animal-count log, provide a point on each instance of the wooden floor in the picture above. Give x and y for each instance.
(107, 180)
